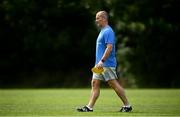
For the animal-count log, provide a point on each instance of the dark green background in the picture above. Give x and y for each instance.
(51, 43)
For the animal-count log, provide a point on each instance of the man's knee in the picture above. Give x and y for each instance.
(113, 83)
(95, 83)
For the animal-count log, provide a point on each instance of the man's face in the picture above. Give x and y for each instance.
(99, 20)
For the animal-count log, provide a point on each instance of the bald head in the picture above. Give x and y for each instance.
(102, 18)
(103, 14)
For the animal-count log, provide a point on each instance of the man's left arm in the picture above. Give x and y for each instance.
(106, 54)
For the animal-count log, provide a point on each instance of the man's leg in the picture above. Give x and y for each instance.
(119, 91)
(95, 91)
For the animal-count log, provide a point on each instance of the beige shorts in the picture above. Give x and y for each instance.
(108, 74)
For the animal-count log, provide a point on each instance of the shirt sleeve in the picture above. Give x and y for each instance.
(109, 37)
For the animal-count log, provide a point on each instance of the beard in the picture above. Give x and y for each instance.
(98, 26)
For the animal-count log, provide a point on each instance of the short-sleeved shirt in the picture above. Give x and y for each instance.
(106, 36)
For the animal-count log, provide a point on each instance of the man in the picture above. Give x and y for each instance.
(105, 58)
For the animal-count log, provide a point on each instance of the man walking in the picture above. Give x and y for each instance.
(105, 58)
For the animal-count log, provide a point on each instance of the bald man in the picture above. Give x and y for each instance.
(105, 58)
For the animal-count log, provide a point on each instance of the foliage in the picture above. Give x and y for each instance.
(148, 31)
(52, 42)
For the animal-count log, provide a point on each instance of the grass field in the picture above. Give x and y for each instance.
(63, 102)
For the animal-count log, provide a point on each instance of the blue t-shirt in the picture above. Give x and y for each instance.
(106, 36)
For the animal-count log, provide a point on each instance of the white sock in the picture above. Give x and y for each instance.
(127, 105)
(89, 107)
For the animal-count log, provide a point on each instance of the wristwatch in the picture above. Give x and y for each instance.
(103, 60)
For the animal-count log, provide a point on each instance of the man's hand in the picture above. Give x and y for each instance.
(99, 65)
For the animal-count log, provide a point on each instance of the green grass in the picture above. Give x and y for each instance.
(63, 102)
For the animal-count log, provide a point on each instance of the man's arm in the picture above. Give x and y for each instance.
(106, 54)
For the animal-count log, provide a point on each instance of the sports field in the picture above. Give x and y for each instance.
(63, 102)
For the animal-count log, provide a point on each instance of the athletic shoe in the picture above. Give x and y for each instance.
(84, 109)
(126, 109)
